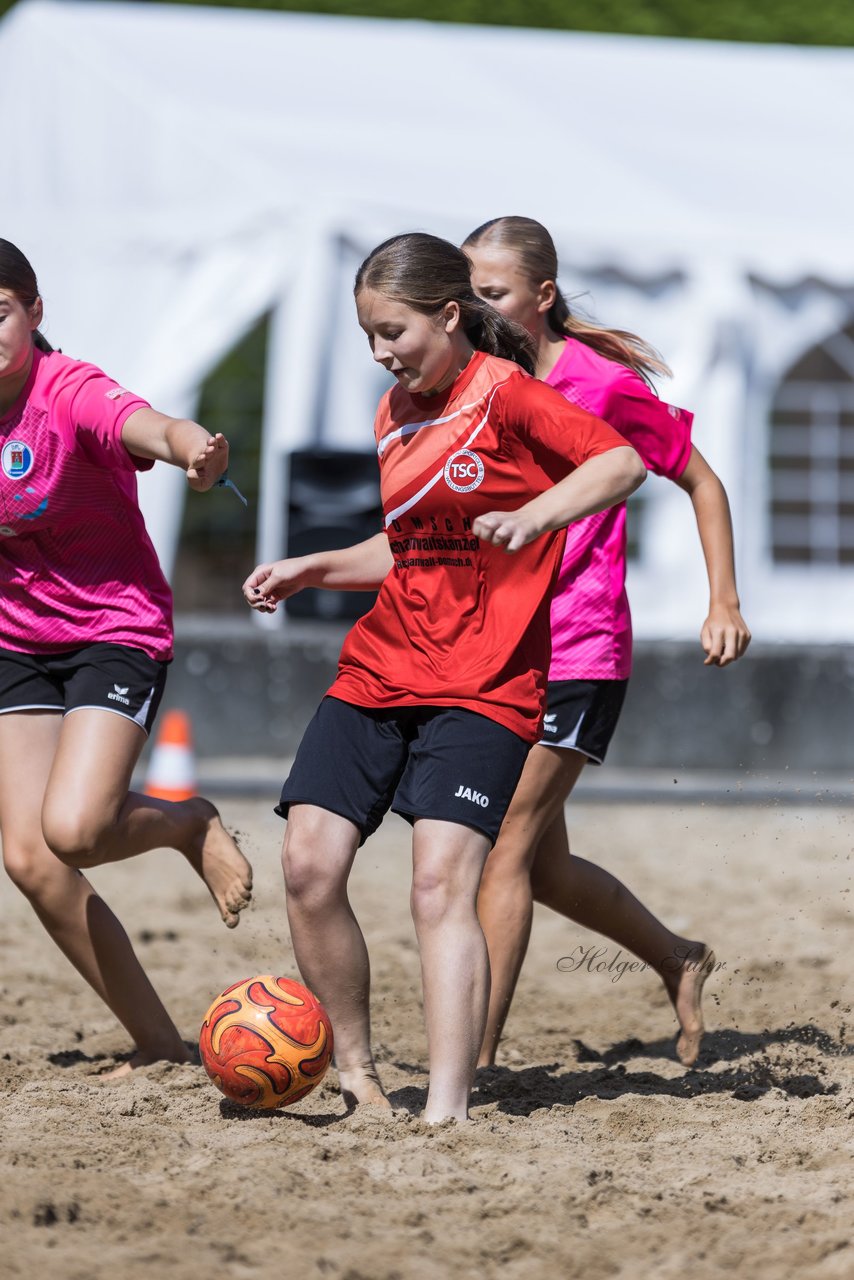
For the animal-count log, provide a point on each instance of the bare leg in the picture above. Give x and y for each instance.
(89, 818)
(447, 864)
(77, 919)
(531, 862)
(505, 901)
(330, 950)
(595, 899)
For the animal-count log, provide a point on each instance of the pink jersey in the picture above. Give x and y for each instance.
(76, 562)
(591, 623)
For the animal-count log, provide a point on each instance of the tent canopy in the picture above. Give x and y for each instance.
(183, 170)
(185, 125)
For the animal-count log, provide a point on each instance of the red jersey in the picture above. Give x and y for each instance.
(459, 622)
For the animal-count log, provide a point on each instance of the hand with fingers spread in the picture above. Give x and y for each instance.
(724, 635)
(209, 464)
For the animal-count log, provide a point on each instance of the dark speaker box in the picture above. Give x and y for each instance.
(333, 501)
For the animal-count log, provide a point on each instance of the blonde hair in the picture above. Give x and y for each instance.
(534, 247)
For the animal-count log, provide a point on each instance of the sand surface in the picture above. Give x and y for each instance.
(592, 1154)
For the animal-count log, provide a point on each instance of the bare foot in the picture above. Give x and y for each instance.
(685, 988)
(141, 1059)
(360, 1086)
(215, 857)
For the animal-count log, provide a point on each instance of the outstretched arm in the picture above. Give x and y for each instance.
(360, 568)
(149, 434)
(724, 634)
(598, 483)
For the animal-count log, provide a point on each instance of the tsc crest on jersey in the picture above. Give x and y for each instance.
(464, 471)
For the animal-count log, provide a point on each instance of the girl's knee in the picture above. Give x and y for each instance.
(28, 868)
(508, 870)
(295, 869)
(431, 899)
(310, 880)
(73, 838)
(512, 856)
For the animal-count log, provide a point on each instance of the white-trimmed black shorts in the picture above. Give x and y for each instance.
(420, 762)
(581, 715)
(104, 677)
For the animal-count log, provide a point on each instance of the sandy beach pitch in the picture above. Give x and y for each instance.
(592, 1153)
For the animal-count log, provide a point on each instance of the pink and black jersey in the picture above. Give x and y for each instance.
(76, 561)
(591, 622)
(458, 622)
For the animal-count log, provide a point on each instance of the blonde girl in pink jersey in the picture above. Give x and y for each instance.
(85, 640)
(515, 268)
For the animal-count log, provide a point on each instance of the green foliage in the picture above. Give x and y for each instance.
(828, 22)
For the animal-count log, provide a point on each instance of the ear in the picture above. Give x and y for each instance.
(36, 314)
(450, 316)
(546, 295)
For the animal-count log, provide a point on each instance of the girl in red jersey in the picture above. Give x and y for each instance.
(514, 267)
(85, 640)
(440, 686)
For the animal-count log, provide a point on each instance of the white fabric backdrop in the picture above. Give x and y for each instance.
(173, 173)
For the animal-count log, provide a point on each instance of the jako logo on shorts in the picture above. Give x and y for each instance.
(17, 460)
(463, 471)
(476, 797)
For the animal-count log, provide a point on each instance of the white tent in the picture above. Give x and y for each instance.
(173, 173)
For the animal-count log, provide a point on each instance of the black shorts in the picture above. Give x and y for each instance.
(104, 677)
(581, 715)
(420, 762)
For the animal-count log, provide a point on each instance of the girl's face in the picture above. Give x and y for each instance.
(497, 277)
(17, 324)
(425, 353)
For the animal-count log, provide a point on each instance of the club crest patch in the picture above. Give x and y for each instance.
(16, 459)
(464, 471)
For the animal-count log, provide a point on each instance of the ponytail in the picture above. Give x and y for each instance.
(615, 344)
(488, 330)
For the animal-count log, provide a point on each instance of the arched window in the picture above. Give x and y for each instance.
(811, 457)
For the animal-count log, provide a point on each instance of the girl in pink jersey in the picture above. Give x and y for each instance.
(514, 267)
(85, 640)
(440, 687)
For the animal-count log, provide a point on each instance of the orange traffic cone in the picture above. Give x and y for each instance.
(172, 768)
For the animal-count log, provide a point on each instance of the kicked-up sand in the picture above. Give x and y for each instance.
(592, 1152)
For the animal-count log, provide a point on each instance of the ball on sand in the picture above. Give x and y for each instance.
(266, 1042)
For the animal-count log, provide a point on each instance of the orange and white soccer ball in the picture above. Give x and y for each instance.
(266, 1042)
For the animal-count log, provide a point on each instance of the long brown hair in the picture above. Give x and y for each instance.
(537, 255)
(18, 277)
(425, 272)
